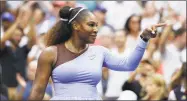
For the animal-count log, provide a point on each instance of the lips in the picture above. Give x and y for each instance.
(94, 36)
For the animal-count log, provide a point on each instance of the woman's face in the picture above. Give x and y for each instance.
(88, 28)
(106, 40)
(38, 16)
(134, 24)
(120, 38)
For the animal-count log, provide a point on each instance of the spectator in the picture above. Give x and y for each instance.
(171, 52)
(39, 16)
(155, 88)
(150, 15)
(37, 48)
(24, 91)
(133, 28)
(100, 13)
(12, 56)
(179, 93)
(135, 84)
(105, 30)
(7, 20)
(116, 78)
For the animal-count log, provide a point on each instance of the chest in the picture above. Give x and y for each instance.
(86, 68)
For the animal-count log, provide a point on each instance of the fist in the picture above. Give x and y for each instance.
(151, 31)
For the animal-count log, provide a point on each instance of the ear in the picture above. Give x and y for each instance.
(76, 26)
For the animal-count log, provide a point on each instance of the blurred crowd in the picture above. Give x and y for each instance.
(161, 74)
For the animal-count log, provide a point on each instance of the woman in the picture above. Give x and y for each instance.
(133, 29)
(155, 88)
(75, 66)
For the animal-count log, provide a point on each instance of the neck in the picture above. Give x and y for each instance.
(121, 49)
(75, 45)
(134, 33)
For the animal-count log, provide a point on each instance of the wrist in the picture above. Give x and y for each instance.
(144, 38)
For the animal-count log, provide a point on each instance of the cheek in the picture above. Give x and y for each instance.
(85, 32)
(131, 25)
(83, 35)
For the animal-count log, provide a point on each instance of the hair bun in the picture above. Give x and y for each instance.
(64, 12)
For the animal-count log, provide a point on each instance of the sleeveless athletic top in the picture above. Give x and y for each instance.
(75, 76)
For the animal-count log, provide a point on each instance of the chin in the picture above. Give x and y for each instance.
(91, 41)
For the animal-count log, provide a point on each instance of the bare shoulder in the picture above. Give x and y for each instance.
(49, 54)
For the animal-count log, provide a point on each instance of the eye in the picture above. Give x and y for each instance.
(91, 24)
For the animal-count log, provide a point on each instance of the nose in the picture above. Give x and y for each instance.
(95, 30)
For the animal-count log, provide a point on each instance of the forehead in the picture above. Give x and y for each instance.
(90, 18)
(135, 18)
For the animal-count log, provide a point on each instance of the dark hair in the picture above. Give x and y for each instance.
(127, 26)
(62, 30)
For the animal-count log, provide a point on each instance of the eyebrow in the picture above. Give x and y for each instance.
(92, 22)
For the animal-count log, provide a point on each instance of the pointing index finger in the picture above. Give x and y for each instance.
(160, 25)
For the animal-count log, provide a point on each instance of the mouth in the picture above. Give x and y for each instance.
(93, 36)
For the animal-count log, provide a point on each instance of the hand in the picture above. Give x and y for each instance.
(30, 3)
(150, 32)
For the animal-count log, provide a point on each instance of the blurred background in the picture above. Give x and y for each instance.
(160, 75)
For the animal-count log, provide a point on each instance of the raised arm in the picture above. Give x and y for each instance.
(43, 73)
(130, 62)
(31, 35)
(163, 38)
(8, 34)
